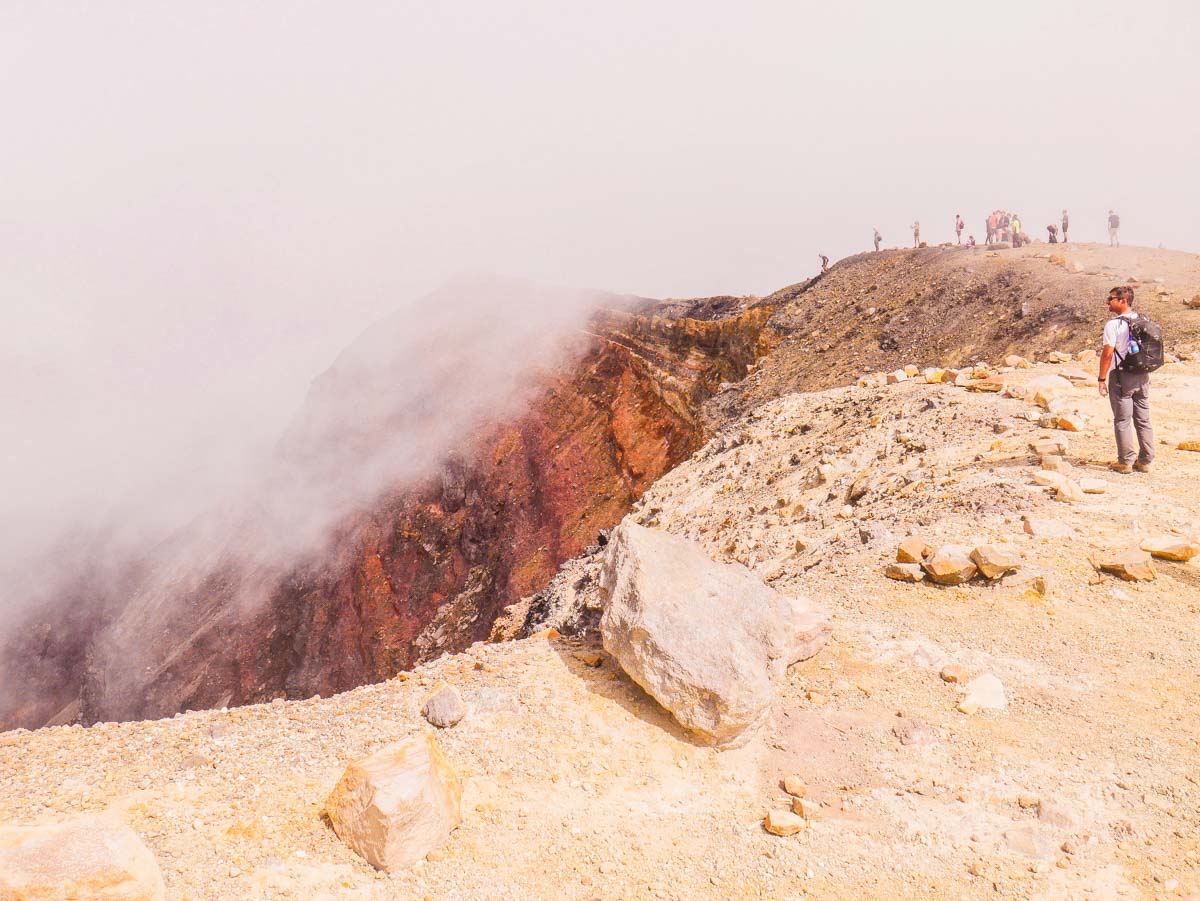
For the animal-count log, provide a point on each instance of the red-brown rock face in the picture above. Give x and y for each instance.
(427, 566)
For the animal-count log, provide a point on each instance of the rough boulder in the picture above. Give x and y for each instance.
(704, 639)
(397, 805)
(91, 857)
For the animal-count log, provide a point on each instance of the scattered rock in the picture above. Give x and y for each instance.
(1045, 388)
(1171, 547)
(710, 664)
(444, 707)
(805, 808)
(1071, 422)
(1093, 486)
(898, 376)
(1055, 463)
(1194, 303)
(398, 804)
(783, 822)
(1042, 527)
(905, 572)
(795, 786)
(1026, 801)
(1132, 565)
(1190, 445)
(985, 692)
(1016, 362)
(1048, 446)
(912, 550)
(1055, 815)
(1028, 840)
(1049, 478)
(953, 672)
(950, 565)
(993, 562)
(90, 857)
(1069, 492)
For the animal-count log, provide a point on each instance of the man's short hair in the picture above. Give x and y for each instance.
(1122, 292)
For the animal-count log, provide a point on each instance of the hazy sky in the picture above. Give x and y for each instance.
(201, 203)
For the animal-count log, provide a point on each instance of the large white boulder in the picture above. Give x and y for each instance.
(397, 805)
(90, 857)
(704, 639)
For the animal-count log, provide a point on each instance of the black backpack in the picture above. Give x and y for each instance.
(1148, 336)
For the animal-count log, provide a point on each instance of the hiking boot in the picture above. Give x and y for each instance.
(1121, 467)
(1142, 467)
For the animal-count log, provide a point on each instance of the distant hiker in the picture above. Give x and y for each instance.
(1016, 230)
(1114, 224)
(993, 225)
(878, 240)
(1127, 389)
(916, 227)
(1003, 225)
(824, 262)
(970, 240)
(1066, 221)
(1053, 230)
(958, 227)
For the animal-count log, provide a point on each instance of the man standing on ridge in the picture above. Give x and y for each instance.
(958, 227)
(916, 227)
(1114, 224)
(824, 262)
(878, 240)
(1066, 221)
(1128, 392)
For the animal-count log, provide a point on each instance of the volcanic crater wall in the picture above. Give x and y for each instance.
(423, 570)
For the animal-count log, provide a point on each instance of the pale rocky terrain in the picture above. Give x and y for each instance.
(577, 785)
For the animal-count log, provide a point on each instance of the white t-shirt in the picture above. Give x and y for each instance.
(1116, 335)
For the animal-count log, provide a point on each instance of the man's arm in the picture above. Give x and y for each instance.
(1106, 356)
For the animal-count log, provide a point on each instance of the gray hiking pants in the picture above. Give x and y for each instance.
(1129, 397)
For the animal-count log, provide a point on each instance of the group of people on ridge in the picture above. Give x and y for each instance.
(1004, 227)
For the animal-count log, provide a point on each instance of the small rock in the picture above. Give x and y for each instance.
(1045, 447)
(1070, 847)
(1093, 486)
(953, 672)
(950, 565)
(1069, 492)
(444, 707)
(1028, 840)
(795, 786)
(1071, 422)
(905, 572)
(1171, 547)
(1132, 565)
(805, 808)
(593, 659)
(1016, 362)
(1040, 527)
(1026, 801)
(1055, 815)
(1055, 463)
(1190, 445)
(993, 562)
(1048, 478)
(1046, 388)
(783, 822)
(912, 550)
(985, 692)
(896, 377)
